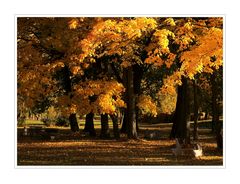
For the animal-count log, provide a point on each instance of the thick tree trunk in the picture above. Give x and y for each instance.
(89, 125)
(137, 118)
(125, 112)
(215, 116)
(131, 104)
(195, 99)
(73, 123)
(67, 85)
(181, 126)
(137, 78)
(216, 124)
(125, 121)
(219, 135)
(104, 126)
(115, 126)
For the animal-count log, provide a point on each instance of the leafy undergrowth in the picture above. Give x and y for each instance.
(78, 149)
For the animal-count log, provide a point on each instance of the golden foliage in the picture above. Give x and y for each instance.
(199, 58)
(147, 106)
(170, 83)
(118, 37)
(170, 22)
(191, 46)
(167, 102)
(73, 24)
(98, 96)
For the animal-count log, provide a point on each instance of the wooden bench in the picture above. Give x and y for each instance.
(32, 130)
(37, 131)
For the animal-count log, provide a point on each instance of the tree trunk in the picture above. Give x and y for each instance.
(125, 111)
(89, 125)
(131, 104)
(195, 99)
(73, 123)
(104, 126)
(216, 124)
(137, 78)
(67, 85)
(115, 126)
(180, 127)
(215, 116)
(125, 121)
(137, 119)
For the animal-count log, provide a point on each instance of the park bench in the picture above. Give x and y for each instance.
(37, 131)
(187, 150)
(33, 130)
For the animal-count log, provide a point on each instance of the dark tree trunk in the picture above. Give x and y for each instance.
(131, 104)
(73, 123)
(216, 124)
(196, 106)
(215, 116)
(137, 118)
(137, 78)
(104, 126)
(132, 77)
(125, 121)
(219, 135)
(115, 126)
(67, 85)
(125, 112)
(89, 125)
(181, 126)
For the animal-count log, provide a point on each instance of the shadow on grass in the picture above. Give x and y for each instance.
(78, 149)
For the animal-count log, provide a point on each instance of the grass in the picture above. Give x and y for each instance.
(78, 149)
(81, 123)
(33, 122)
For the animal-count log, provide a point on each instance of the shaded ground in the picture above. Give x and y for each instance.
(78, 149)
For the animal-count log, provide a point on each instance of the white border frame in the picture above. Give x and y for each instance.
(120, 167)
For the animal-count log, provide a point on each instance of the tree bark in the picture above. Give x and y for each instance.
(115, 126)
(73, 122)
(89, 125)
(137, 119)
(125, 111)
(180, 127)
(137, 78)
(131, 104)
(196, 106)
(67, 85)
(216, 124)
(125, 121)
(104, 126)
(215, 116)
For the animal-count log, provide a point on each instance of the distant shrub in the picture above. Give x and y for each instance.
(47, 122)
(61, 121)
(21, 121)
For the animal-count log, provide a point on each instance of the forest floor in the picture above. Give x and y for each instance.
(78, 149)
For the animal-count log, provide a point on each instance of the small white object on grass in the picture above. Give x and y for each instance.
(25, 131)
(198, 152)
(194, 150)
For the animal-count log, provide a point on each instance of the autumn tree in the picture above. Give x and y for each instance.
(67, 47)
(195, 43)
(124, 41)
(45, 67)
